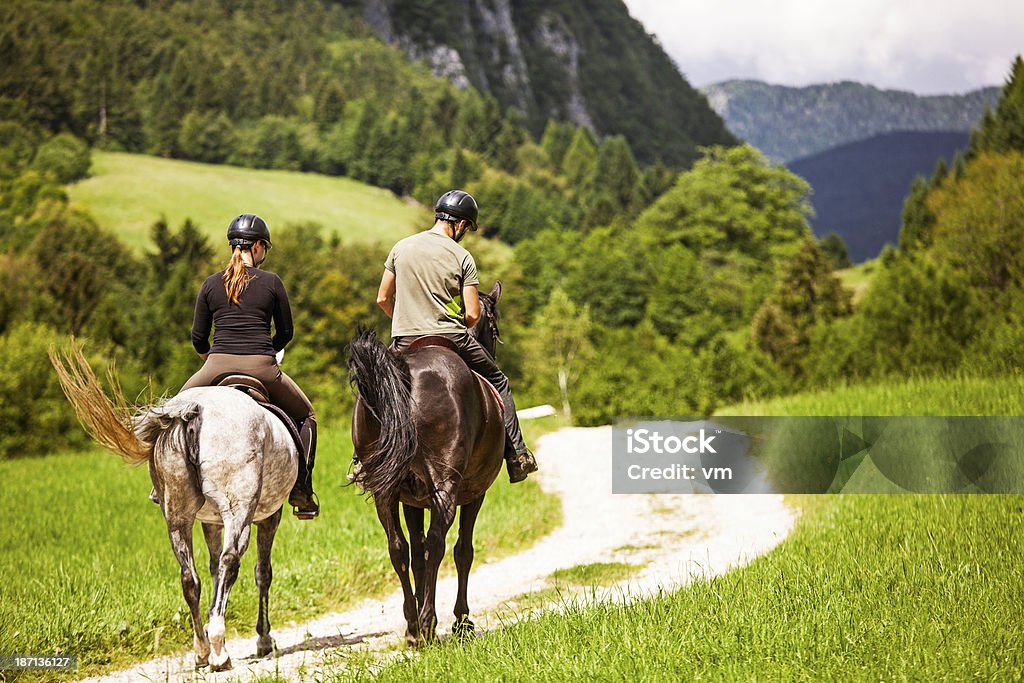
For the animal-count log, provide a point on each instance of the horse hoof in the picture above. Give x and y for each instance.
(223, 666)
(266, 648)
(464, 629)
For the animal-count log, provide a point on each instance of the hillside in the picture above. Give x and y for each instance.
(789, 123)
(859, 188)
(591, 64)
(127, 193)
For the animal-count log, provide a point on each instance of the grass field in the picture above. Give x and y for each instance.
(870, 587)
(127, 193)
(858, 278)
(87, 567)
(943, 396)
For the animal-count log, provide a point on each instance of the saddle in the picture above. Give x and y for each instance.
(256, 390)
(445, 342)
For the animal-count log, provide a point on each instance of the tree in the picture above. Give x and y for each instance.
(329, 105)
(1003, 129)
(543, 260)
(65, 157)
(79, 264)
(678, 304)
(979, 223)
(609, 276)
(206, 137)
(807, 295)
(918, 220)
(556, 140)
(834, 248)
(16, 149)
(732, 199)
(557, 348)
(617, 174)
(580, 163)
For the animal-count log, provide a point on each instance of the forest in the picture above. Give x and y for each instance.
(630, 290)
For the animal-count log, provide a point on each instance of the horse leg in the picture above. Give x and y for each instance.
(414, 522)
(213, 533)
(398, 549)
(463, 626)
(236, 541)
(265, 532)
(442, 514)
(180, 532)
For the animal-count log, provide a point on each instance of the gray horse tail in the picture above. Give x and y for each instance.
(385, 389)
(172, 427)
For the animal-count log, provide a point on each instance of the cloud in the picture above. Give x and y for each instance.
(941, 46)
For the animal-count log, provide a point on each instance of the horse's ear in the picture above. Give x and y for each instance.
(496, 291)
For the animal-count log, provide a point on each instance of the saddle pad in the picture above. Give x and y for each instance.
(497, 396)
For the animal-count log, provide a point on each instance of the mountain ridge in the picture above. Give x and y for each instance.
(551, 60)
(788, 123)
(859, 187)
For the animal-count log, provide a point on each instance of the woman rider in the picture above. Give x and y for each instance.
(240, 302)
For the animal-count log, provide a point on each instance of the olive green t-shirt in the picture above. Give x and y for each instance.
(430, 272)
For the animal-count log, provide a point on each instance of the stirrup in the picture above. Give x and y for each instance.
(308, 513)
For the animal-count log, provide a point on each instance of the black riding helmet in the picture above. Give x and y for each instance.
(457, 205)
(247, 229)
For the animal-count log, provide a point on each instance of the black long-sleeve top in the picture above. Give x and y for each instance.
(244, 328)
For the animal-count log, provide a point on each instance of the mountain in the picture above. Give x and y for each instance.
(859, 187)
(589, 63)
(789, 123)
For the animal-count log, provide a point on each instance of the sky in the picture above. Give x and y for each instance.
(928, 47)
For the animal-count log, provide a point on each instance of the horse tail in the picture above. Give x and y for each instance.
(110, 421)
(172, 426)
(385, 389)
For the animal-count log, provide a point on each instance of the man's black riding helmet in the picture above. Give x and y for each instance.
(247, 229)
(457, 205)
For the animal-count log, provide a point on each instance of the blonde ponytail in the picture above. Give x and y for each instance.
(235, 277)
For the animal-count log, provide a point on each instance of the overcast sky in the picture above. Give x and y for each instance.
(925, 46)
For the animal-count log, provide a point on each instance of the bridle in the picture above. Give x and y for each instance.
(492, 319)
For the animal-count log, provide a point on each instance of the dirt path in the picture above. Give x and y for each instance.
(674, 538)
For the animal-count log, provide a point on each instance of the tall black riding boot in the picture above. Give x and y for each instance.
(304, 502)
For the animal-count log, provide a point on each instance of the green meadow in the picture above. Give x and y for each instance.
(867, 587)
(127, 193)
(88, 568)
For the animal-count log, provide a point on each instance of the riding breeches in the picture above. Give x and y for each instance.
(284, 392)
(481, 362)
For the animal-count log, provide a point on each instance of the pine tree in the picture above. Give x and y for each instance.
(1002, 130)
(808, 294)
(580, 163)
(556, 140)
(835, 249)
(617, 173)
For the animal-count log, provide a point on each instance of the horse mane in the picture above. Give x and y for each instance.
(110, 421)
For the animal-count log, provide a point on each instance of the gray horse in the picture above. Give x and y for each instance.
(214, 455)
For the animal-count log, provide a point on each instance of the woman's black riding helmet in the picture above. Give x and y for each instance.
(247, 229)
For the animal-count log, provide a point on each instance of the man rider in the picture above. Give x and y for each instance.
(429, 287)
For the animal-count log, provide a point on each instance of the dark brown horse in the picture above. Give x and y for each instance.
(429, 434)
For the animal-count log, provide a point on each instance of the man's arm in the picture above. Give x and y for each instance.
(471, 300)
(386, 293)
